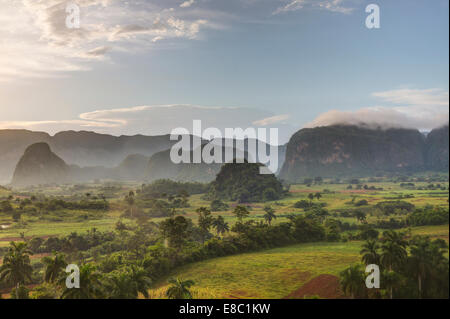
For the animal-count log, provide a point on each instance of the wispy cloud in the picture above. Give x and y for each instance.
(272, 120)
(154, 119)
(415, 97)
(423, 109)
(35, 41)
(330, 5)
(187, 4)
(292, 6)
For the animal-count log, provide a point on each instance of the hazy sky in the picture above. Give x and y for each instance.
(150, 66)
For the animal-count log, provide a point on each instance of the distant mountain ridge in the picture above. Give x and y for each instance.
(78, 148)
(161, 166)
(135, 167)
(39, 165)
(333, 151)
(330, 151)
(437, 149)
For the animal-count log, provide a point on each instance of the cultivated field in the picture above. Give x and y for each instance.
(274, 273)
(298, 271)
(335, 196)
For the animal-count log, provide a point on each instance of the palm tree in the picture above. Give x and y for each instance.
(360, 216)
(40, 206)
(397, 237)
(425, 258)
(141, 282)
(205, 220)
(16, 268)
(392, 255)
(420, 260)
(175, 230)
(352, 281)
(390, 280)
(130, 201)
(318, 196)
(20, 292)
(393, 250)
(241, 212)
(270, 214)
(90, 285)
(220, 225)
(54, 267)
(119, 286)
(370, 252)
(438, 249)
(179, 289)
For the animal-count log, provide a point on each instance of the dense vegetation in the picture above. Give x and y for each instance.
(153, 230)
(414, 268)
(244, 183)
(168, 187)
(134, 254)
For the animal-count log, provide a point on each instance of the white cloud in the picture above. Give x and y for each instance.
(187, 4)
(271, 120)
(412, 108)
(292, 6)
(35, 41)
(427, 97)
(329, 5)
(153, 119)
(160, 119)
(158, 38)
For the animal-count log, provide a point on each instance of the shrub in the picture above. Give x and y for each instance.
(217, 206)
(244, 183)
(395, 207)
(362, 202)
(428, 216)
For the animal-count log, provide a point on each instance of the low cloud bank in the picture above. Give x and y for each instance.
(415, 109)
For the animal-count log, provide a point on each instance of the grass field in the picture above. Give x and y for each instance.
(441, 231)
(336, 196)
(273, 273)
(43, 229)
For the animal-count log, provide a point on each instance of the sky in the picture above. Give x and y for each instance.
(147, 67)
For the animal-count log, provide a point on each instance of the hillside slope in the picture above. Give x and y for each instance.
(39, 165)
(161, 166)
(437, 152)
(77, 148)
(352, 151)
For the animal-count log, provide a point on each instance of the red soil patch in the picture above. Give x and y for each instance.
(324, 286)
